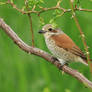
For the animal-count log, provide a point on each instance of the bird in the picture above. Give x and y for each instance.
(62, 46)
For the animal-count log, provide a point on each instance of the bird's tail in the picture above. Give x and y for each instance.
(86, 62)
(83, 61)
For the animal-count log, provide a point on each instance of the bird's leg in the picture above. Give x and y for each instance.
(66, 64)
(62, 62)
(63, 65)
(55, 59)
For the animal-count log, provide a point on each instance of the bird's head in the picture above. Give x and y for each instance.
(48, 30)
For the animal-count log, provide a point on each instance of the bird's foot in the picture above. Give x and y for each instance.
(62, 63)
(55, 59)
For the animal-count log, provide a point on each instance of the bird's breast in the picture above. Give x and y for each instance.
(59, 52)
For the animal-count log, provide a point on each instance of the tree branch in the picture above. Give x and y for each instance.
(43, 54)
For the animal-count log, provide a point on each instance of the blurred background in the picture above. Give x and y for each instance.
(22, 72)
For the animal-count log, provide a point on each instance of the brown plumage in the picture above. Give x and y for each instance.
(65, 42)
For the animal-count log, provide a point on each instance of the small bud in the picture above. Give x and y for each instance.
(73, 14)
(26, 1)
(72, 1)
(68, 9)
(87, 53)
(83, 35)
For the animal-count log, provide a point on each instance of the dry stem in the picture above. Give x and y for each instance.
(81, 33)
(30, 19)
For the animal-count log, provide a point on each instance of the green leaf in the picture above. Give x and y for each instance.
(2, 3)
(42, 1)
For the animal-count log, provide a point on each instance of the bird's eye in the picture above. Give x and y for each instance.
(50, 29)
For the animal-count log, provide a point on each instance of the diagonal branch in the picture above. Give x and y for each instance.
(43, 54)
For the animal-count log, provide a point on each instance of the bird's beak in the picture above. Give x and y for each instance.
(41, 31)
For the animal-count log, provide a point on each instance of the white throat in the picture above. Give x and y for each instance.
(47, 35)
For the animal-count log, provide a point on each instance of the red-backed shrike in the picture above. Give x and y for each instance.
(62, 46)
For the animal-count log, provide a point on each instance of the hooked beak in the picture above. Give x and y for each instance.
(41, 31)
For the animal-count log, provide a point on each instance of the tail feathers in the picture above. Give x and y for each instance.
(83, 61)
(86, 62)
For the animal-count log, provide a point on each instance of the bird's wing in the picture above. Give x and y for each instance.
(65, 42)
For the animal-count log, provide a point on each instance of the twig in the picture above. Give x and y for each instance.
(87, 10)
(14, 6)
(37, 12)
(45, 9)
(30, 19)
(58, 3)
(42, 9)
(31, 28)
(43, 54)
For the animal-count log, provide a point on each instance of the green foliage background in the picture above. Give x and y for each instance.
(21, 72)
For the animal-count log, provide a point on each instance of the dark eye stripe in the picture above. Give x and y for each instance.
(50, 29)
(54, 31)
